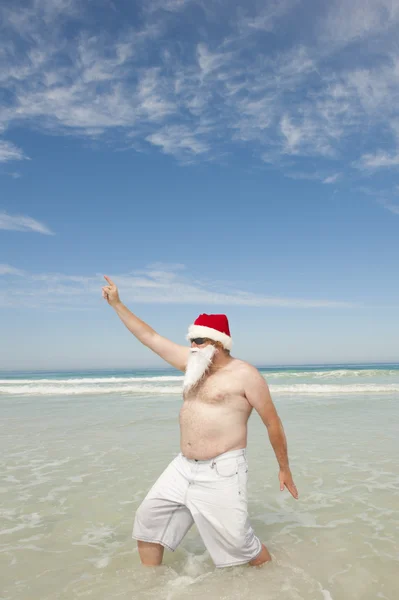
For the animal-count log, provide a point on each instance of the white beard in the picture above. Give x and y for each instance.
(199, 361)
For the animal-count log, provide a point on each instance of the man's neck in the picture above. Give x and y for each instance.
(221, 360)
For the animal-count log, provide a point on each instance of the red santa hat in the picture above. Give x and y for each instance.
(213, 327)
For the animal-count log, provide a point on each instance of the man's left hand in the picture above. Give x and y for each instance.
(286, 480)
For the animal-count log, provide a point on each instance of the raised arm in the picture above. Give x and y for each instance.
(172, 353)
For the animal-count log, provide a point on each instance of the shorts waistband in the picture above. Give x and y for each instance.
(228, 454)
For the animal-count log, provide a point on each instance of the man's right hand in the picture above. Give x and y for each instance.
(110, 292)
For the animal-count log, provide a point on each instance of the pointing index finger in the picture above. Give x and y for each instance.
(109, 280)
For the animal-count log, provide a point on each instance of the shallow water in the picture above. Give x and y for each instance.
(74, 469)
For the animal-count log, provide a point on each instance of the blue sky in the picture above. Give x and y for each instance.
(237, 157)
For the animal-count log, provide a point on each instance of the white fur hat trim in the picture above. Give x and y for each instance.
(195, 331)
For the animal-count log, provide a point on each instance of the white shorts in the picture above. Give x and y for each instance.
(210, 493)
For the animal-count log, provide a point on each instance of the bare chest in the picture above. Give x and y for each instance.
(219, 390)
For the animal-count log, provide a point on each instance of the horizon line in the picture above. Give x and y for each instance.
(170, 368)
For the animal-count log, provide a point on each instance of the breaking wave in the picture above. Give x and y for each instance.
(385, 381)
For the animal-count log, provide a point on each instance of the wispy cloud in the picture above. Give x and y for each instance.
(328, 89)
(9, 151)
(348, 22)
(385, 196)
(179, 141)
(266, 18)
(393, 208)
(304, 138)
(8, 270)
(157, 284)
(209, 62)
(168, 5)
(314, 176)
(378, 160)
(22, 223)
(332, 178)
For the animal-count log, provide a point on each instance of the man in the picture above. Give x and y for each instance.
(207, 482)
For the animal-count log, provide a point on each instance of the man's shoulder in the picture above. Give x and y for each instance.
(245, 368)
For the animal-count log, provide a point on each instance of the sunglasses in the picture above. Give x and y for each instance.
(199, 341)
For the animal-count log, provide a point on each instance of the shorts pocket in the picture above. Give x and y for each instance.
(227, 467)
(242, 480)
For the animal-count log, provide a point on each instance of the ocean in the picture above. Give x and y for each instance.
(79, 451)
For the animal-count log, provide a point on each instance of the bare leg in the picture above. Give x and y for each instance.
(262, 558)
(150, 554)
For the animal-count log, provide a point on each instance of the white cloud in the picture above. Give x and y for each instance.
(168, 5)
(332, 178)
(8, 270)
(96, 67)
(312, 176)
(151, 285)
(292, 134)
(179, 141)
(383, 195)
(306, 137)
(266, 19)
(88, 84)
(253, 119)
(195, 96)
(210, 62)
(153, 94)
(22, 223)
(292, 65)
(347, 22)
(378, 160)
(9, 151)
(393, 208)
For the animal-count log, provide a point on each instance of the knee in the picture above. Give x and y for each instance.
(142, 524)
(144, 514)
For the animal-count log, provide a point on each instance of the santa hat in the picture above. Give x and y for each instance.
(213, 327)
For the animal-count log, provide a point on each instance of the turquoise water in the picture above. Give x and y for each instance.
(79, 450)
(319, 380)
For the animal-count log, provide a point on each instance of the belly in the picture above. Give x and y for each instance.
(207, 430)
